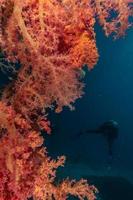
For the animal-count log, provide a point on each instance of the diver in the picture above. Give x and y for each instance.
(109, 130)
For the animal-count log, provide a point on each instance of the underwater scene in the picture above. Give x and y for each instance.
(66, 114)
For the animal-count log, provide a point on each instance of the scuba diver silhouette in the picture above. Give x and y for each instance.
(109, 130)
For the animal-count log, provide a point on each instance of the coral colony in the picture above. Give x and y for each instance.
(51, 40)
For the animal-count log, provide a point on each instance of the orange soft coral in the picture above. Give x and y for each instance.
(19, 157)
(84, 51)
(25, 168)
(48, 37)
(51, 39)
(114, 15)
